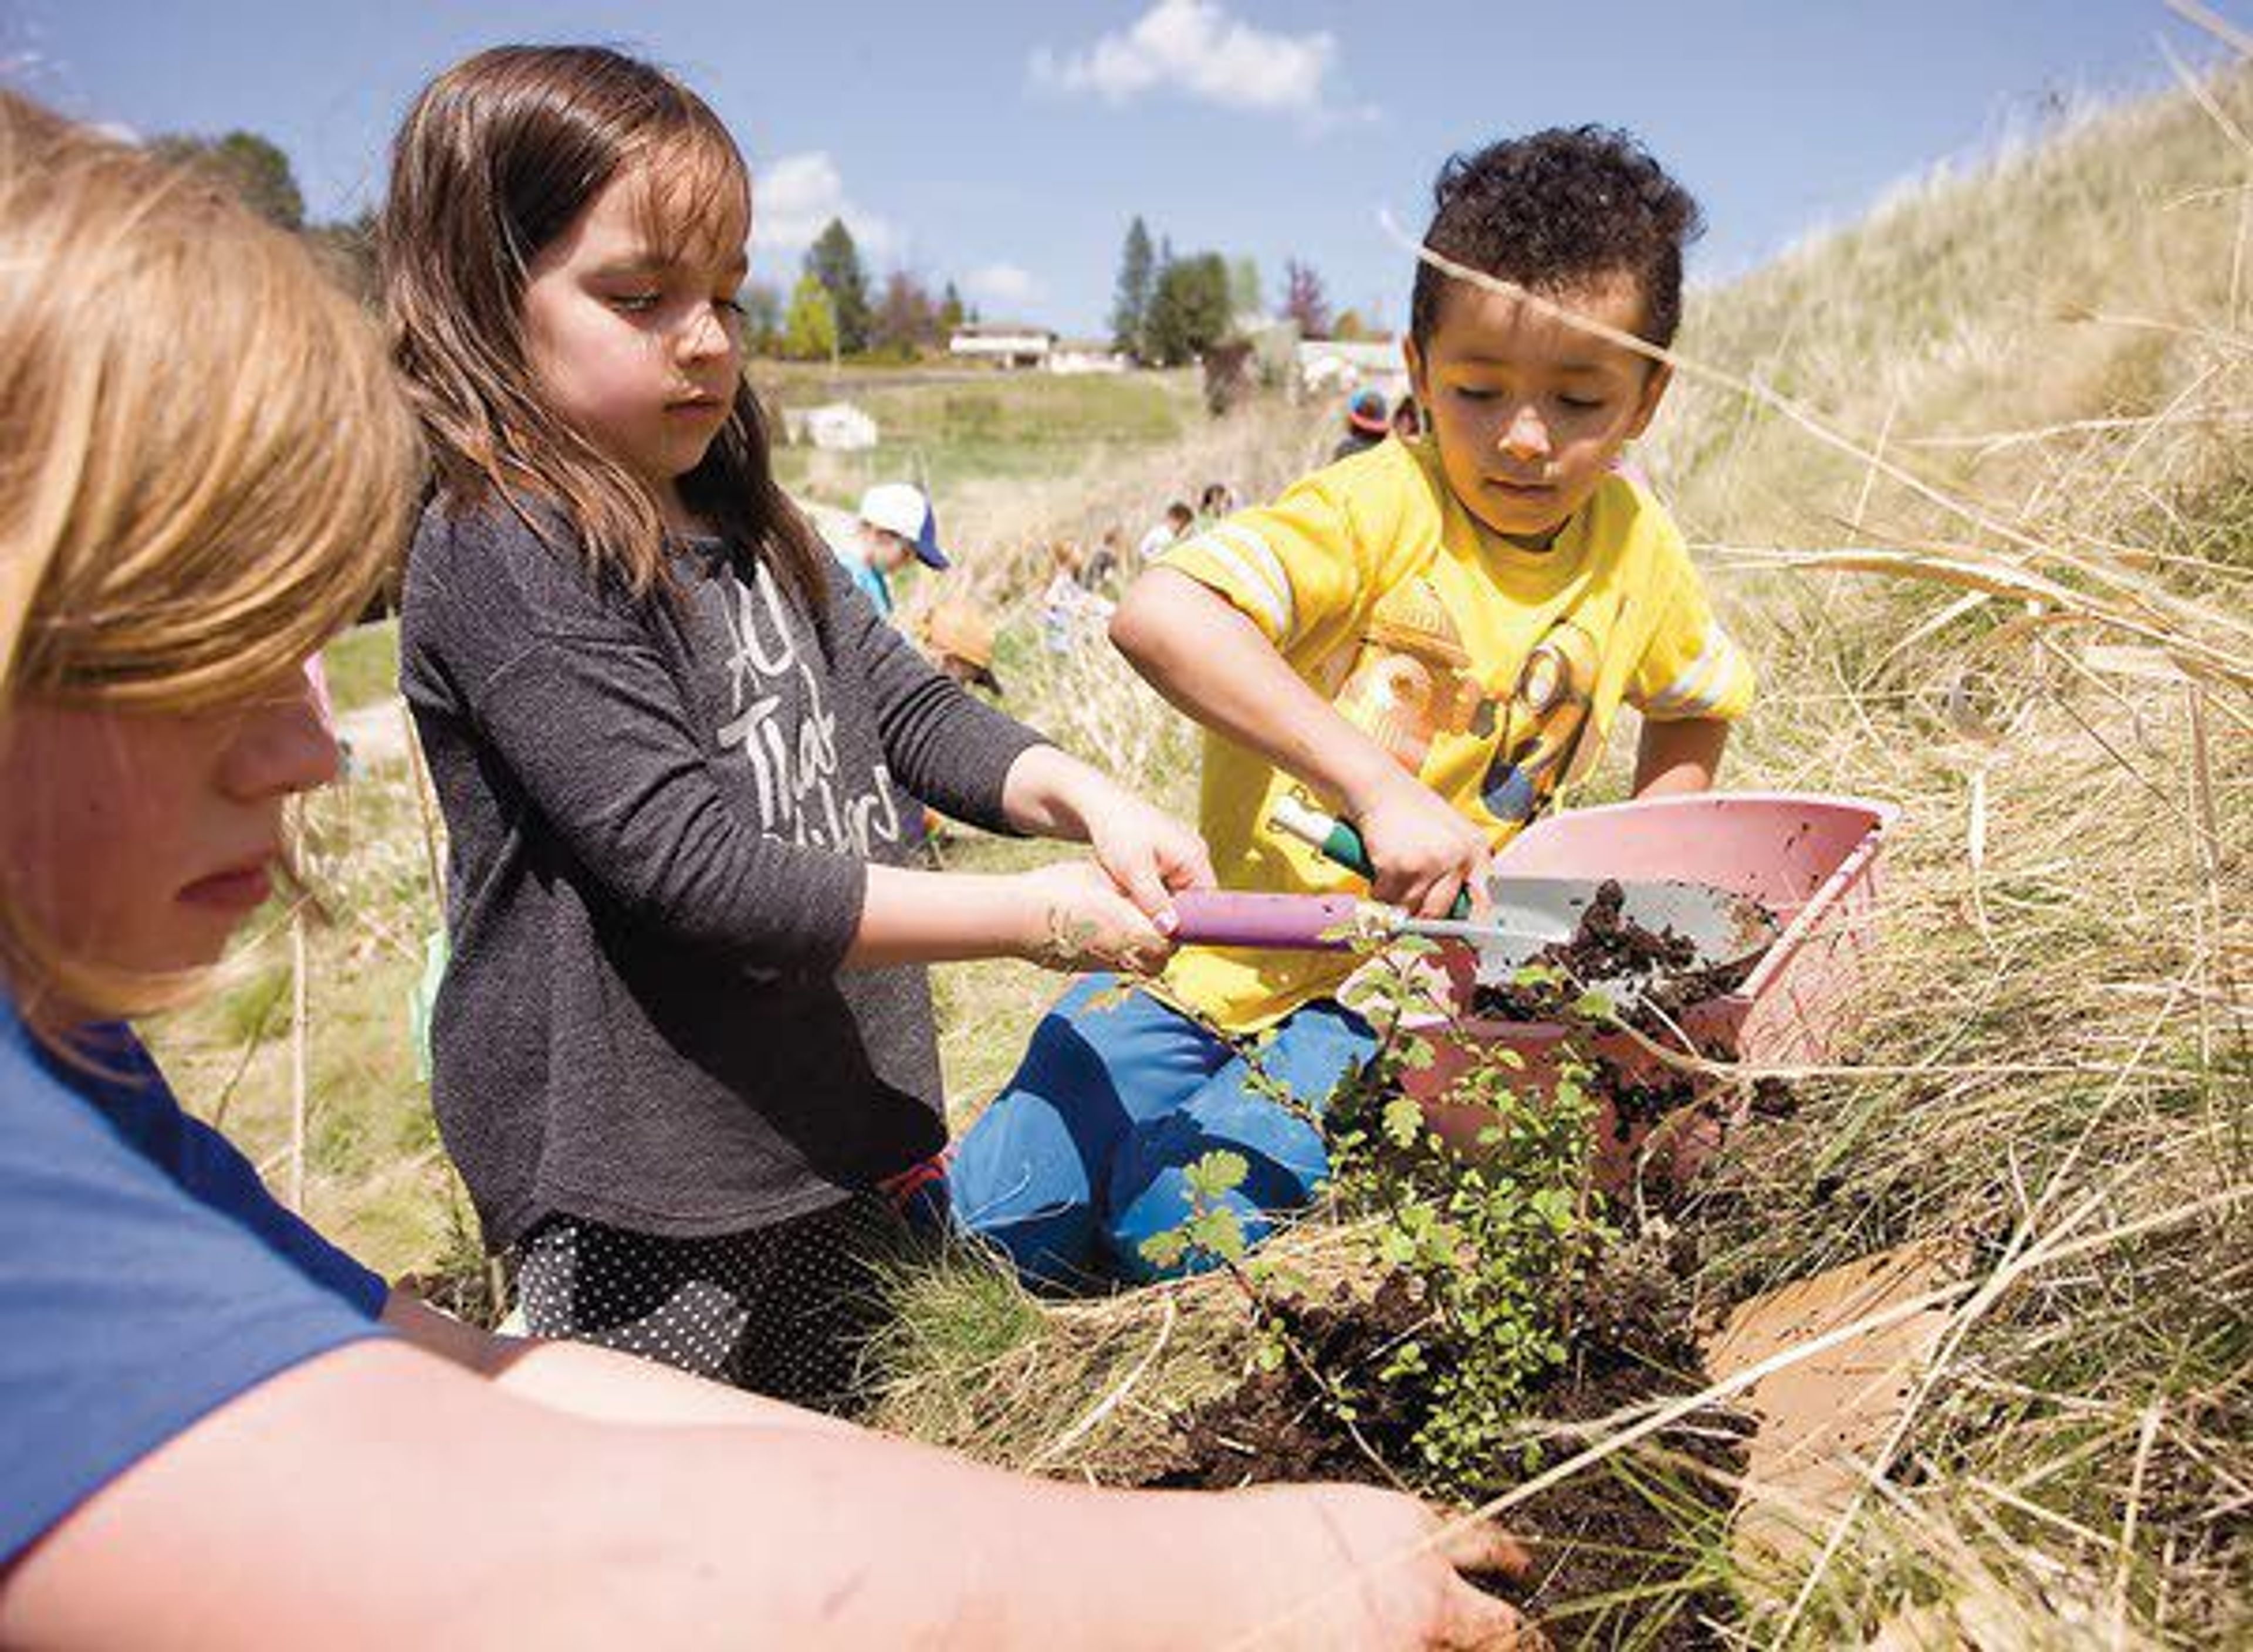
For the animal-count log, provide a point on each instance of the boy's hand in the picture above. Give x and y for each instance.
(1149, 855)
(1076, 918)
(1405, 1594)
(1424, 853)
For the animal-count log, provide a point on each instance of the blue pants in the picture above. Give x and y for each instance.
(1080, 1159)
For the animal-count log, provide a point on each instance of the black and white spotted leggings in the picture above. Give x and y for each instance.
(782, 1310)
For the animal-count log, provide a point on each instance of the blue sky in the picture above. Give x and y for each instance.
(1008, 145)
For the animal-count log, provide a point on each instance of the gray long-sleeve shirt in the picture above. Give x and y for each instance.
(660, 816)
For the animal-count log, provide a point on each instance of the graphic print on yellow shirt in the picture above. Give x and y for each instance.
(1412, 679)
(1543, 746)
(1490, 671)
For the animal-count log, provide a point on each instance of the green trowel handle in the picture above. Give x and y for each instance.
(1336, 842)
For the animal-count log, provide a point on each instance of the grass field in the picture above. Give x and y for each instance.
(2018, 394)
(945, 427)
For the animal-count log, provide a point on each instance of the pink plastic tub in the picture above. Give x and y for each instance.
(1812, 860)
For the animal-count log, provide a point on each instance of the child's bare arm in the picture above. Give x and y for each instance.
(597, 1383)
(1147, 853)
(1213, 663)
(1068, 916)
(378, 1498)
(1680, 755)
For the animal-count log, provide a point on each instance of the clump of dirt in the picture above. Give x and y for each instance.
(1642, 1098)
(1276, 1425)
(1607, 946)
(1663, 1000)
(1600, 1534)
(1774, 1098)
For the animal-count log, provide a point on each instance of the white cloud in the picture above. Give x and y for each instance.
(1003, 286)
(794, 197)
(1194, 47)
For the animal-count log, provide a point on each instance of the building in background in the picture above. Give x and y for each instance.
(1008, 344)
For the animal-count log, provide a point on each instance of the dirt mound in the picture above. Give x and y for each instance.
(1619, 1546)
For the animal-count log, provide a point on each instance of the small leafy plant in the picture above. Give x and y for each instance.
(1212, 1233)
(1494, 1236)
(1491, 1240)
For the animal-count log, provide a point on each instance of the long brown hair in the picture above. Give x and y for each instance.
(500, 156)
(207, 466)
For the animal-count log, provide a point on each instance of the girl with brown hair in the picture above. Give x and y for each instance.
(686, 1037)
(216, 1429)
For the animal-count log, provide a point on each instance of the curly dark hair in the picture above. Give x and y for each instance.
(1555, 208)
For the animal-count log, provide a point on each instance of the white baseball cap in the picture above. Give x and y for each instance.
(901, 508)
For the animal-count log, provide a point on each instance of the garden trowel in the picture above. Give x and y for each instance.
(1528, 914)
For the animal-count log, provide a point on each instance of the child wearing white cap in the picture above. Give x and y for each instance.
(897, 526)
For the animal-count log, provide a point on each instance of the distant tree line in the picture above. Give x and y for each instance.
(1169, 309)
(830, 313)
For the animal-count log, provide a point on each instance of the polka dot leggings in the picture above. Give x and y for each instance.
(782, 1310)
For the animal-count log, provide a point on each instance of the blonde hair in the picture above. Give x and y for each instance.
(207, 469)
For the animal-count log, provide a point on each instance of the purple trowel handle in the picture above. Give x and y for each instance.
(1225, 917)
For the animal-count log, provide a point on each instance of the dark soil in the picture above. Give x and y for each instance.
(1642, 1100)
(1608, 947)
(1601, 1533)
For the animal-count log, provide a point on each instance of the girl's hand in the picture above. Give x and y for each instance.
(1076, 918)
(1425, 852)
(1395, 1585)
(1149, 855)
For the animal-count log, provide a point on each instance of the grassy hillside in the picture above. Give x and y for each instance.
(2020, 393)
(947, 427)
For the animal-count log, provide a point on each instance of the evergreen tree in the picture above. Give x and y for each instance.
(763, 326)
(836, 262)
(950, 312)
(1188, 310)
(252, 166)
(809, 332)
(1138, 274)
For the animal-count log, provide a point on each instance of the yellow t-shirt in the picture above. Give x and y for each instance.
(1492, 673)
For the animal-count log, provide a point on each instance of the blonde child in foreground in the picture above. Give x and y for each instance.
(1432, 638)
(216, 1429)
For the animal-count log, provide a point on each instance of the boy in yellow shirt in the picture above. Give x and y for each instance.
(1432, 637)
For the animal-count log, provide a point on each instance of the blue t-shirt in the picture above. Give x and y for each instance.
(146, 1275)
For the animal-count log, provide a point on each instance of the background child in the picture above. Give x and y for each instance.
(1164, 533)
(1432, 636)
(207, 1437)
(895, 525)
(1367, 424)
(685, 1035)
(1071, 613)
